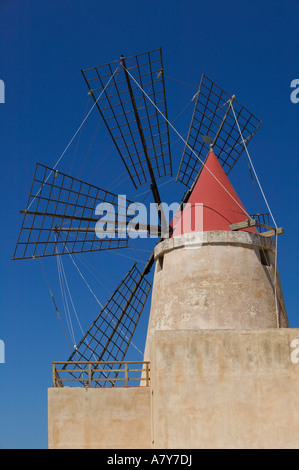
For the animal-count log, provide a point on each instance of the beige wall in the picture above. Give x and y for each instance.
(95, 418)
(225, 389)
(209, 389)
(214, 280)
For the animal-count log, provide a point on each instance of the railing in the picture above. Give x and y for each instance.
(99, 373)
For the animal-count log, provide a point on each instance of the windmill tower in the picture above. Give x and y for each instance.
(221, 277)
(217, 309)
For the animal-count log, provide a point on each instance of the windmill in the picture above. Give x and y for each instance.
(59, 218)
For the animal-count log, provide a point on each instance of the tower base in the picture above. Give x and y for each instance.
(209, 389)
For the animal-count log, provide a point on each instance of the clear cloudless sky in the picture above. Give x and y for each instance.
(248, 48)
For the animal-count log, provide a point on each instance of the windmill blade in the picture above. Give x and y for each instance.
(61, 217)
(140, 133)
(213, 123)
(110, 335)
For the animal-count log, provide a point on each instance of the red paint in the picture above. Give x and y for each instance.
(221, 204)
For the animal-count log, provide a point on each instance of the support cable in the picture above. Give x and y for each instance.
(203, 163)
(90, 289)
(270, 212)
(78, 141)
(70, 142)
(54, 302)
(197, 156)
(64, 300)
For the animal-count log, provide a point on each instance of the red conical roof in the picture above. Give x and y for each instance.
(221, 204)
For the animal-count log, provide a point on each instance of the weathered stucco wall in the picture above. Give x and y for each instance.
(209, 389)
(215, 280)
(99, 418)
(225, 389)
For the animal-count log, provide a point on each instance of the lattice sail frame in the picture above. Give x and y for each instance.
(61, 217)
(116, 106)
(210, 119)
(110, 335)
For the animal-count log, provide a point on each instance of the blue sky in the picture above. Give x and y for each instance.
(247, 48)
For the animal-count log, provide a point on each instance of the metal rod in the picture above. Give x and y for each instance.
(223, 120)
(154, 187)
(101, 113)
(152, 229)
(61, 216)
(188, 193)
(166, 114)
(89, 375)
(247, 140)
(192, 119)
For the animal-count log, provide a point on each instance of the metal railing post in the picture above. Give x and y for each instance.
(147, 374)
(89, 375)
(53, 375)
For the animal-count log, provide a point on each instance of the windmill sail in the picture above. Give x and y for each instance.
(110, 335)
(213, 122)
(61, 217)
(140, 133)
